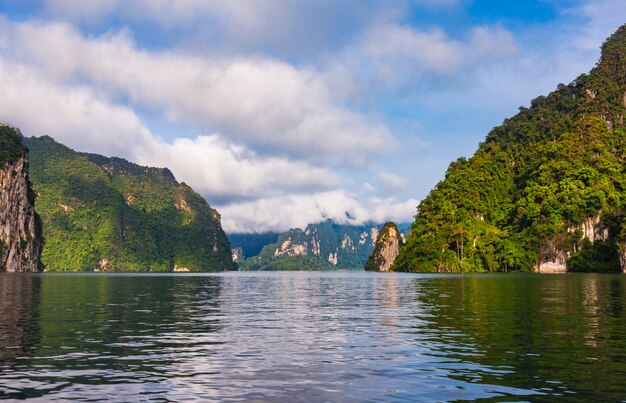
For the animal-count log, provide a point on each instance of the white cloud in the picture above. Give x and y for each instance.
(393, 58)
(75, 116)
(265, 103)
(391, 183)
(295, 27)
(368, 187)
(84, 92)
(298, 210)
(217, 168)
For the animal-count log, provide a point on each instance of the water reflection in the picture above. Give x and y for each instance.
(108, 330)
(19, 301)
(553, 334)
(312, 336)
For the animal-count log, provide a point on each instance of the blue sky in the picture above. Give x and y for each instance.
(283, 113)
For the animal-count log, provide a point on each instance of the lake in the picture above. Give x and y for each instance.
(310, 336)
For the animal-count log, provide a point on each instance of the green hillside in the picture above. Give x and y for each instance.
(547, 186)
(112, 215)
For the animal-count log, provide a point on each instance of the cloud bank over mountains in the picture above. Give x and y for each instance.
(280, 113)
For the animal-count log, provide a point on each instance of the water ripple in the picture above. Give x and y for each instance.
(312, 337)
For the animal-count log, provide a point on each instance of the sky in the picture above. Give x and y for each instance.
(288, 112)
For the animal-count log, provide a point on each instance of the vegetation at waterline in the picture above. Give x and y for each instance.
(526, 192)
(112, 215)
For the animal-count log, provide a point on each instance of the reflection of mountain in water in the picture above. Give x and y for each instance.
(97, 332)
(19, 305)
(555, 334)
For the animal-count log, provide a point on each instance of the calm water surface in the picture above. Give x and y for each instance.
(313, 337)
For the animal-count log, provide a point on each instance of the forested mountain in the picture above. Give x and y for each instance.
(324, 246)
(546, 190)
(108, 214)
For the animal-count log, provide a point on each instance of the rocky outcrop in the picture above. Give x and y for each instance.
(621, 254)
(553, 256)
(386, 248)
(237, 254)
(594, 229)
(20, 234)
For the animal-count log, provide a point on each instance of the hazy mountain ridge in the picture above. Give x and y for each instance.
(323, 246)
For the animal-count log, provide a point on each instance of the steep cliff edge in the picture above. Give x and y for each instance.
(386, 248)
(20, 234)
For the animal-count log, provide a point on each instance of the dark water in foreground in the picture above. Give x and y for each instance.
(313, 337)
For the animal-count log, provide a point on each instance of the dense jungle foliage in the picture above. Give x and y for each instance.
(533, 182)
(11, 147)
(112, 215)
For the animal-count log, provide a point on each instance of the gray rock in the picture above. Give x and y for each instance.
(20, 235)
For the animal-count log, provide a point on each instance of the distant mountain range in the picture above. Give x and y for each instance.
(323, 246)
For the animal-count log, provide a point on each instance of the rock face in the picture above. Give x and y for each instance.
(237, 254)
(20, 234)
(554, 255)
(386, 249)
(622, 257)
(323, 246)
(552, 258)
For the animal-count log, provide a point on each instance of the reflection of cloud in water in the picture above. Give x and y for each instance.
(328, 336)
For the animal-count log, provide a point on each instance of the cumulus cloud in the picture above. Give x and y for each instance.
(74, 115)
(77, 117)
(221, 169)
(298, 210)
(268, 104)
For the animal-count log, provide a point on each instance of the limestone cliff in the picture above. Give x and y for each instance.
(386, 248)
(557, 252)
(20, 234)
(622, 257)
(322, 246)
